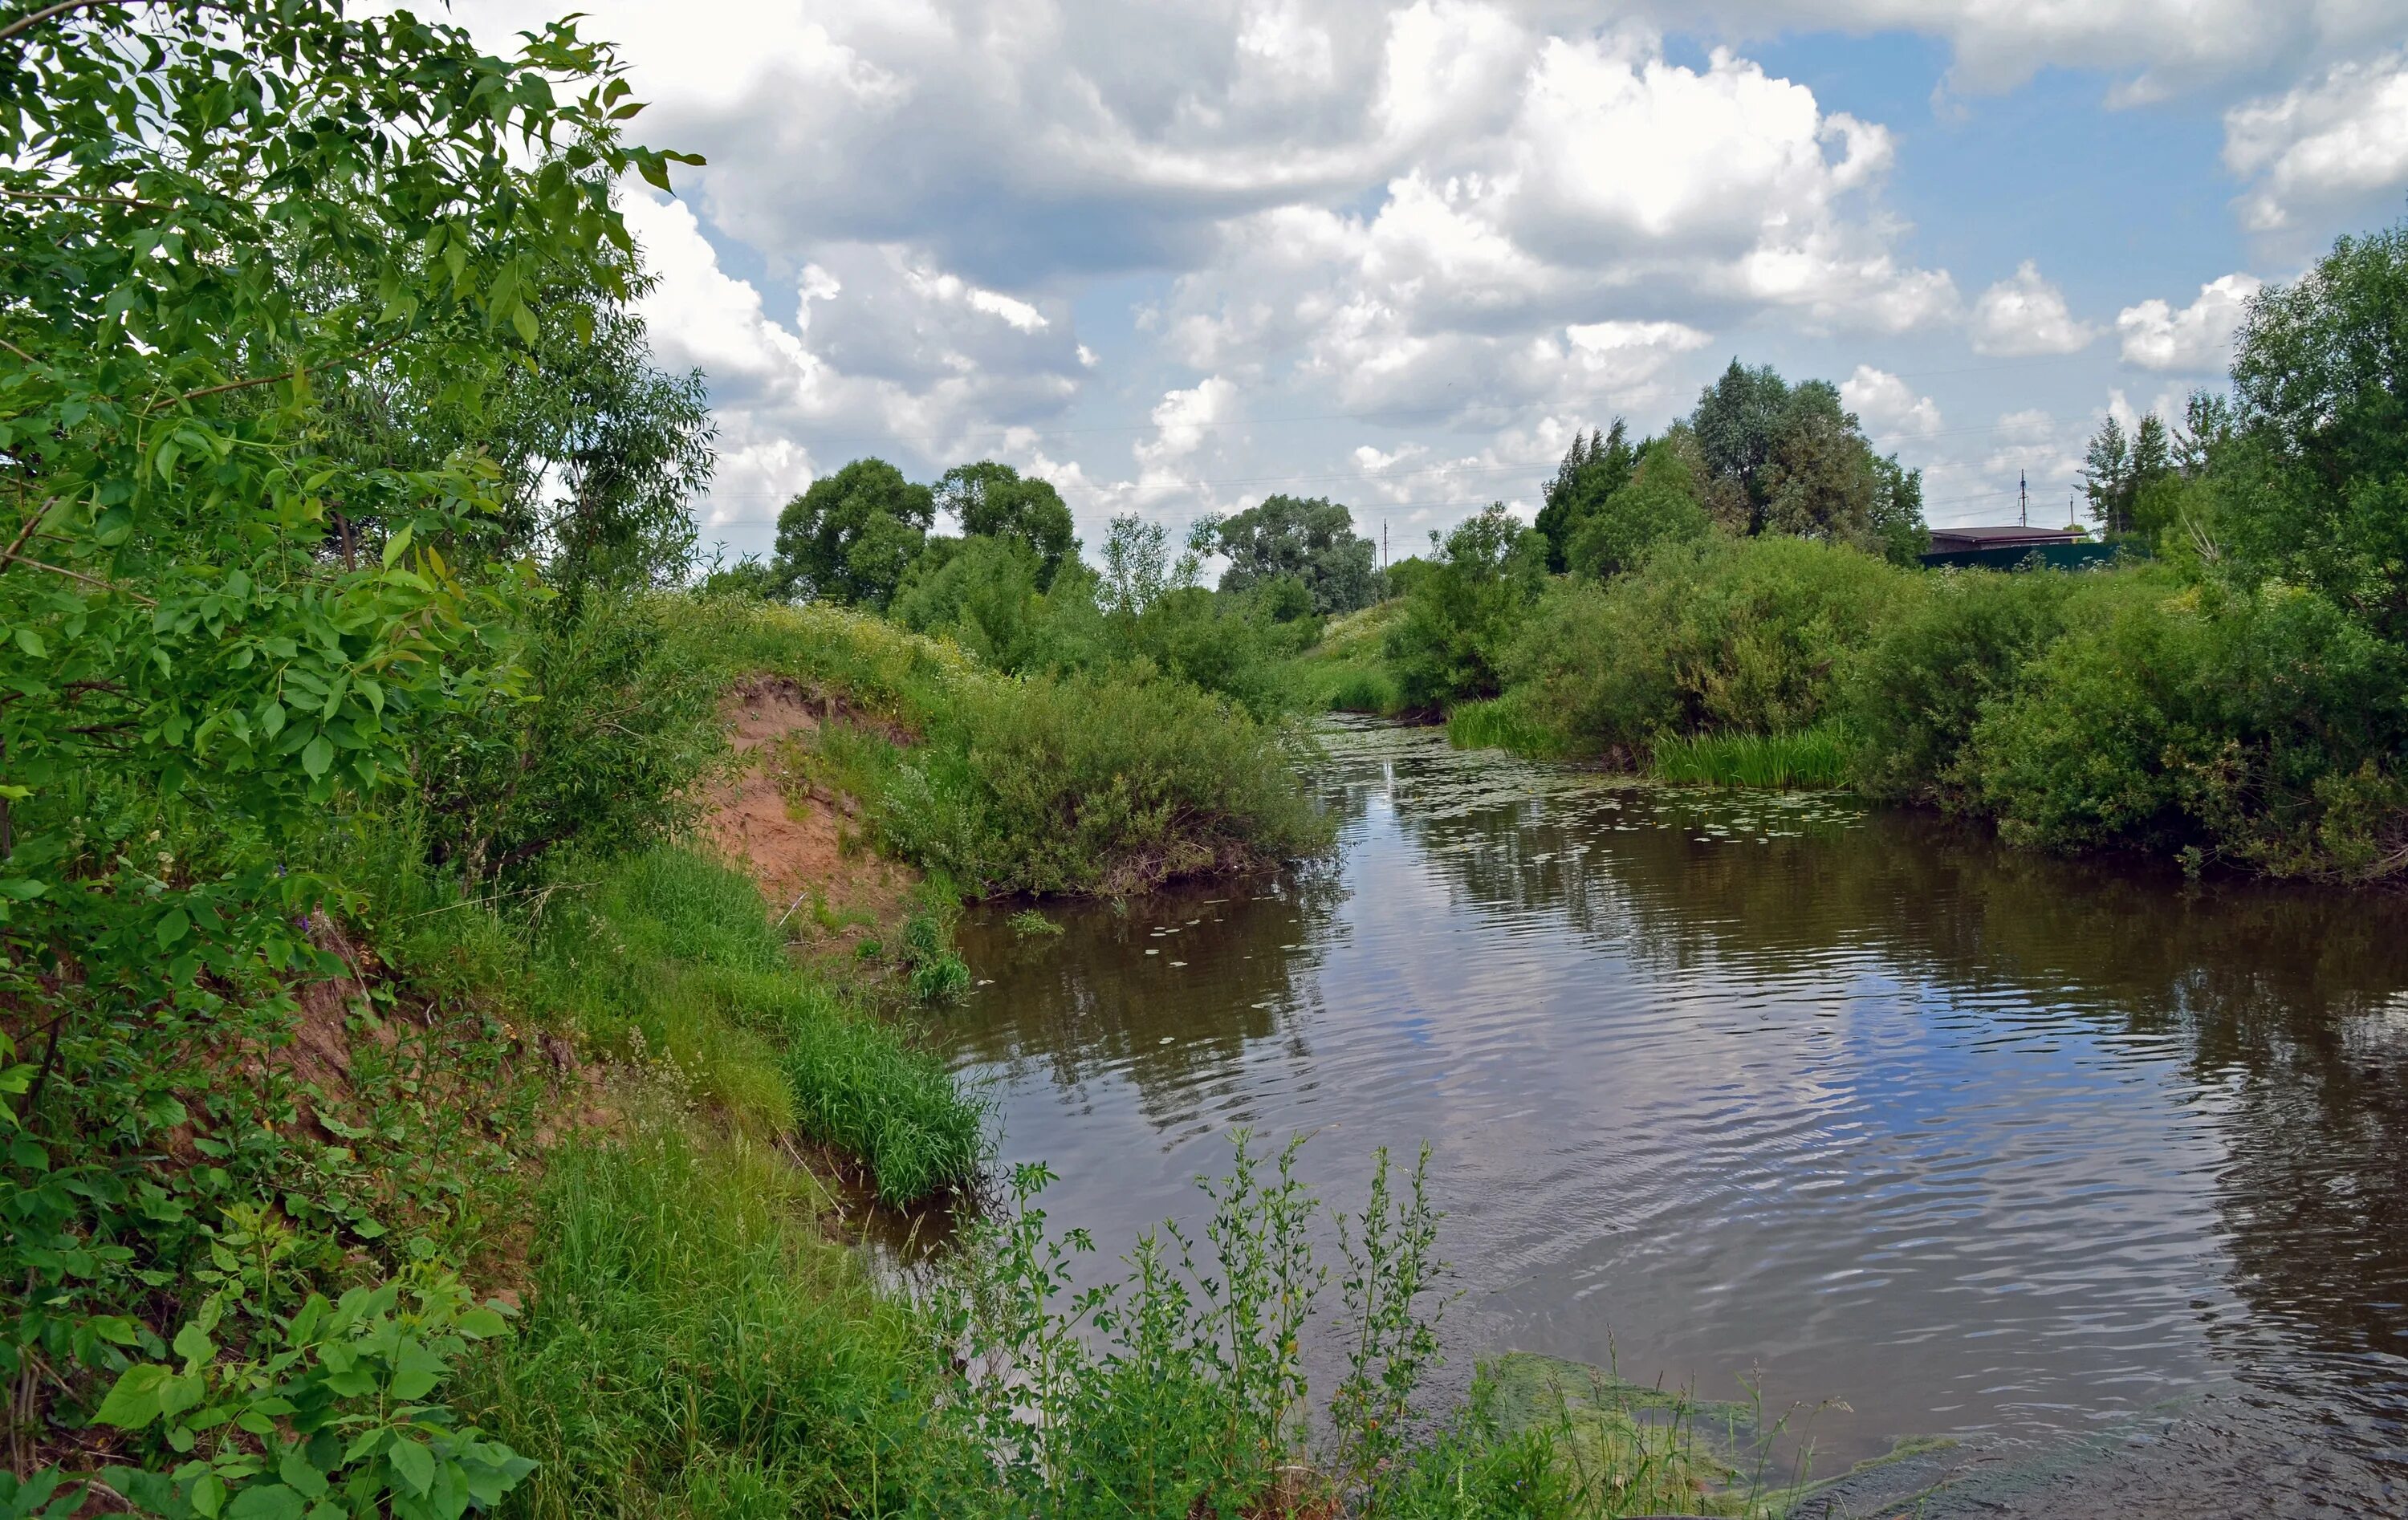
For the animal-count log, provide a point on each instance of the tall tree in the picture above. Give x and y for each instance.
(1738, 420)
(1594, 468)
(1310, 540)
(2107, 479)
(1657, 504)
(2320, 378)
(997, 501)
(851, 537)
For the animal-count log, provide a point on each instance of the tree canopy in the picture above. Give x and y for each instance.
(1308, 539)
(2320, 382)
(997, 501)
(851, 535)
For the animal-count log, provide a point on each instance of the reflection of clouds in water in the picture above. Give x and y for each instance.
(1976, 1141)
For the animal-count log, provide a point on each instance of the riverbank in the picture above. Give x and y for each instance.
(2145, 708)
(576, 1156)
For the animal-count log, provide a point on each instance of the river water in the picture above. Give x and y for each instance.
(2101, 1173)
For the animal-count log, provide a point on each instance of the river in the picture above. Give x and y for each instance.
(2100, 1172)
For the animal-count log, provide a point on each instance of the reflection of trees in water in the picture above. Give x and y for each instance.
(2287, 1002)
(1092, 1000)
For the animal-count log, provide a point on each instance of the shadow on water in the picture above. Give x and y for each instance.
(2101, 1172)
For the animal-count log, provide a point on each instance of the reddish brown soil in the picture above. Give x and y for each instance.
(801, 844)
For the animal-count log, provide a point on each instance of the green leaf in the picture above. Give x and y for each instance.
(416, 1371)
(480, 1324)
(174, 927)
(524, 320)
(296, 1471)
(22, 889)
(271, 1501)
(396, 547)
(414, 1463)
(31, 642)
(317, 756)
(134, 1401)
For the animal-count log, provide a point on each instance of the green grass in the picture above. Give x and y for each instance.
(1347, 671)
(1816, 758)
(673, 956)
(1498, 725)
(696, 1346)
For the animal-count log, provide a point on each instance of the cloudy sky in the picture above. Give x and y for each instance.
(1179, 254)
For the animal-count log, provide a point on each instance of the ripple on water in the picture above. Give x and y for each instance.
(2083, 1165)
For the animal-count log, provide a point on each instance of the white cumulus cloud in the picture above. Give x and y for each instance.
(1888, 405)
(2336, 140)
(2192, 339)
(2024, 315)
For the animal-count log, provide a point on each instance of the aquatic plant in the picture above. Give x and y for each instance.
(1816, 758)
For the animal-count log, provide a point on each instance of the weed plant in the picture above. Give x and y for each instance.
(1818, 758)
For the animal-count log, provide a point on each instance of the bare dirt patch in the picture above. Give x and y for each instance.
(799, 842)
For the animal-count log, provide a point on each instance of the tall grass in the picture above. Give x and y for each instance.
(1499, 723)
(674, 955)
(696, 1346)
(1817, 757)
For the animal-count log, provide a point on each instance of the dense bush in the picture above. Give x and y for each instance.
(1108, 783)
(1915, 694)
(1746, 634)
(2260, 727)
(603, 740)
(1462, 609)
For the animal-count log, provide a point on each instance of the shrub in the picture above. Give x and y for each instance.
(1110, 784)
(616, 725)
(1463, 610)
(1722, 634)
(1913, 695)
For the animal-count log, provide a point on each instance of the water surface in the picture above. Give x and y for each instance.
(2101, 1172)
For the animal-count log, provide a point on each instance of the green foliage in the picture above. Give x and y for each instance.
(1457, 618)
(1659, 503)
(993, 501)
(1310, 542)
(1138, 566)
(1593, 469)
(333, 1415)
(1818, 757)
(614, 722)
(697, 1343)
(1785, 459)
(1499, 723)
(1028, 923)
(851, 535)
(2259, 728)
(1347, 670)
(230, 612)
(1107, 780)
(1093, 783)
(672, 953)
(1180, 1390)
(982, 594)
(1725, 634)
(2320, 374)
(1915, 694)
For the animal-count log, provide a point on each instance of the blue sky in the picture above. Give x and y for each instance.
(1179, 255)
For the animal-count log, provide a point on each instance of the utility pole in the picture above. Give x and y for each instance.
(2023, 499)
(1384, 546)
